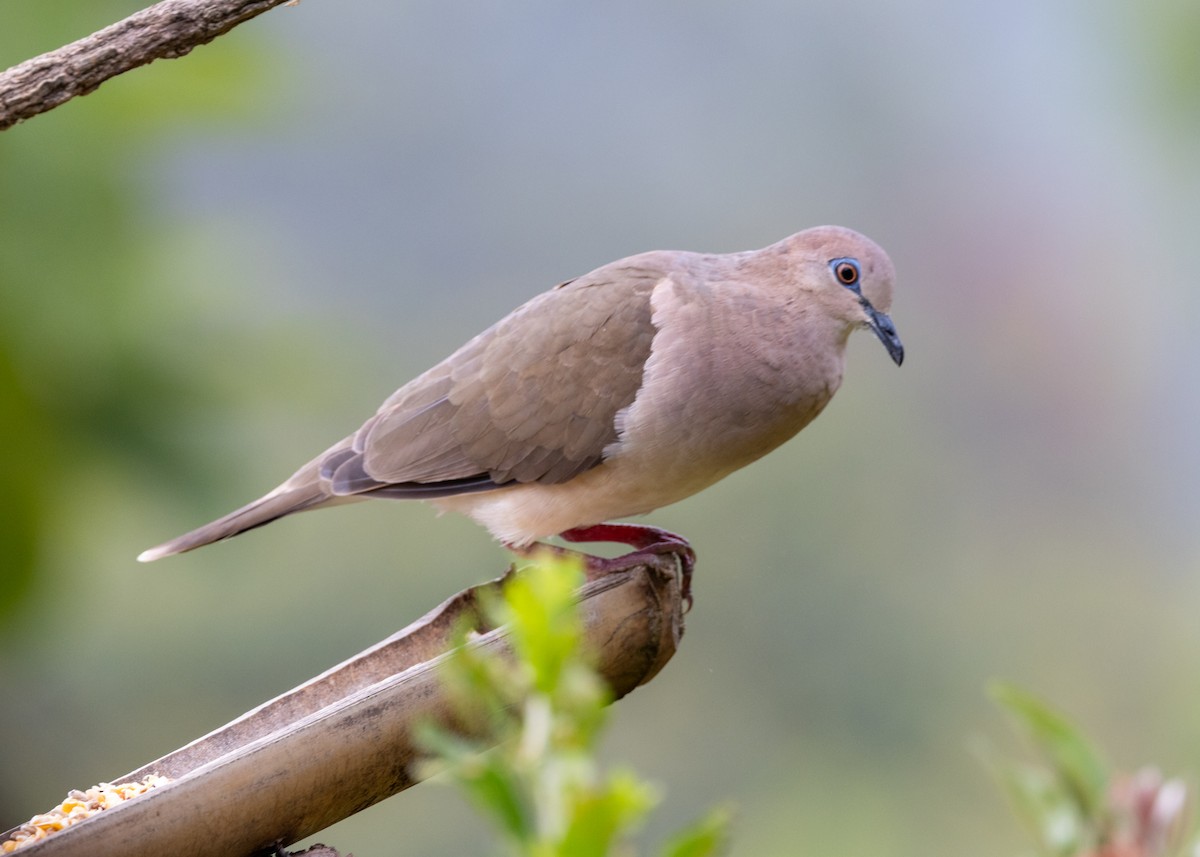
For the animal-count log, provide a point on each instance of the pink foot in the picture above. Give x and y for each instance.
(649, 544)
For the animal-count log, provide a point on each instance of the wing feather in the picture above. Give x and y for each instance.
(532, 399)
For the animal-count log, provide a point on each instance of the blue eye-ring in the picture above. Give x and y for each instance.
(847, 272)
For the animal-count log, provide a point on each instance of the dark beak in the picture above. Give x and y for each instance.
(885, 330)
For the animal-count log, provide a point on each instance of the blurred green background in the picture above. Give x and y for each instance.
(213, 267)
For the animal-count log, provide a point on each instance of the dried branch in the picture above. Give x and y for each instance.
(345, 739)
(166, 30)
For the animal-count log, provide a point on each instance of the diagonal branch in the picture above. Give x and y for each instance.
(346, 739)
(166, 30)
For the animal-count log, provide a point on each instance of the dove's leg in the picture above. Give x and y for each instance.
(650, 544)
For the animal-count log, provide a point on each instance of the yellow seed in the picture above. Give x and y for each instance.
(77, 806)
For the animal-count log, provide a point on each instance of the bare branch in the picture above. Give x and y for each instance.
(166, 30)
(346, 739)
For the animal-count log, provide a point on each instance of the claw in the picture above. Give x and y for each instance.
(649, 544)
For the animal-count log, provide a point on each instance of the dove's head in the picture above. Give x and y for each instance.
(850, 276)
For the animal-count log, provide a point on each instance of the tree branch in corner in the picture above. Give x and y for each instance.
(166, 30)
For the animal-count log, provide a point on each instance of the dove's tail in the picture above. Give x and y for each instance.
(284, 500)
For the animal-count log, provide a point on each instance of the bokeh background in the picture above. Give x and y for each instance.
(213, 267)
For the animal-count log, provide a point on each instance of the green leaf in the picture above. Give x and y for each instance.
(1075, 761)
(489, 780)
(495, 787)
(1041, 803)
(705, 838)
(546, 628)
(546, 707)
(598, 820)
(483, 689)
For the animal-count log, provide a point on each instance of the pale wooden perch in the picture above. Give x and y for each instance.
(165, 30)
(345, 739)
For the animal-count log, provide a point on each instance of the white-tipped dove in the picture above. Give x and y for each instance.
(610, 395)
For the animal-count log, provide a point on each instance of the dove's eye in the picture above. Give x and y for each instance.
(846, 271)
